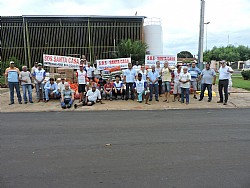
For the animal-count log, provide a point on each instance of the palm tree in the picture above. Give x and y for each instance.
(134, 49)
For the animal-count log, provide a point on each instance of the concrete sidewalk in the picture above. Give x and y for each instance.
(239, 98)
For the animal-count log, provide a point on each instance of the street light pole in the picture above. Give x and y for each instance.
(201, 35)
(206, 33)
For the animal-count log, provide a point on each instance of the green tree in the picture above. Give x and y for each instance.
(228, 53)
(134, 49)
(184, 54)
(6, 64)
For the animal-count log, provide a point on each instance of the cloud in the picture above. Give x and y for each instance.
(180, 19)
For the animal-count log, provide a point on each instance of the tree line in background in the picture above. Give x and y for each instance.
(229, 53)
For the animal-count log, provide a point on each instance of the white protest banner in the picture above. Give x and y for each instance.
(61, 61)
(152, 59)
(110, 63)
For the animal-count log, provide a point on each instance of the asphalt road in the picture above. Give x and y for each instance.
(149, 149)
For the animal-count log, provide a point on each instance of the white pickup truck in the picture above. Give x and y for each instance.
(246, 66)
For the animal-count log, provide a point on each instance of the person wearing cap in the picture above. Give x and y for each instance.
(166, 79)
(194, 72)
(108, 87)
(118, 88)
(208, 78)
(129, 79)
(81, 76)
(93, 96)
(153, 77)
(177, 86)
(25, 78)
(67, 96)
(12, 79)
(51, 89)
(140, 87)
(34, 67)
(39, 76)
(184, 80)
(224, 76)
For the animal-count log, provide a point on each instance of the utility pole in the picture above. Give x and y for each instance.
(206, 33)
(201, 35)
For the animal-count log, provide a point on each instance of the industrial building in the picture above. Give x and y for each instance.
(29, 37)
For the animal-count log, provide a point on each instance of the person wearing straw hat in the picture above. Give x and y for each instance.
(12, 78)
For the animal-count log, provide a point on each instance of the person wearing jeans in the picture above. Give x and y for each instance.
(67, 97)
(185, 78)
(208, 77)
(129, 79)
(25, 78)
(11, 77)
(153, 85)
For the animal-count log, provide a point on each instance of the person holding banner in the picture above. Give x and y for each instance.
(159, 70)
(153, 77)
(81, 76)
(166, 78)
(129, 79)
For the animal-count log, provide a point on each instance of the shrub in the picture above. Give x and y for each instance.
(246, 74)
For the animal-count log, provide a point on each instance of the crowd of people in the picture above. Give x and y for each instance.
(136, 82)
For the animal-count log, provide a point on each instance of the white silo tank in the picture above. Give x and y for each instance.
(153, 36)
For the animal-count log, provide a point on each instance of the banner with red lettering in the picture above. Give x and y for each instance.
(152, 59)
(61, 61)
(110, 63)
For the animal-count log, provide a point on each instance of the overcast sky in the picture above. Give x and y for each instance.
(230, 19)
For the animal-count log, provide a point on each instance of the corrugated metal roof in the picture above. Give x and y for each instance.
(87, 16)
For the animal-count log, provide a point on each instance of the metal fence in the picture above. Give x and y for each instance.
(28, 37)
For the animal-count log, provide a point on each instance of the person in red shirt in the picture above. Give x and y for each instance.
(108, 87)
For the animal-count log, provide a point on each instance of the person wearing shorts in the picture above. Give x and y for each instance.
(194, 72)
(177, 86)
(140, 87)
(81, 81)
(166, 79)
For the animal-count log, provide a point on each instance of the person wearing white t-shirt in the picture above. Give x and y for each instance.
(185, 78)
(81, 76)
(177, 87)
(140, 87)
(90, 71)
(143, 71)
(25, 78)
(39, 76)
(93, 96)
(224, 76)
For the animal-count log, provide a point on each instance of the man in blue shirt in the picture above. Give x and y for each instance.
(194, 72)
(129, 79)
(153, 78)
(51, 89)
(12, 75)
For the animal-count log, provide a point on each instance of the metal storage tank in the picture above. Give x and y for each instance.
(153, 36)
